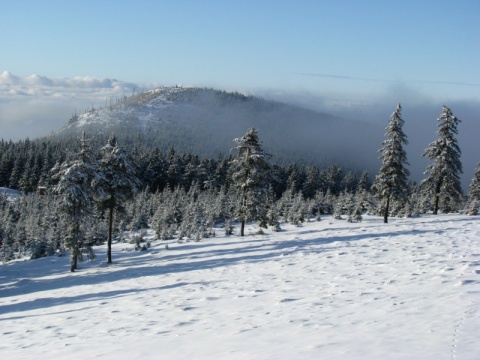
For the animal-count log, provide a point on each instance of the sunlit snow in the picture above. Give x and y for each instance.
(409, 289)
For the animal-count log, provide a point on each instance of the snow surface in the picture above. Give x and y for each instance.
(409, 289)
(145, 108)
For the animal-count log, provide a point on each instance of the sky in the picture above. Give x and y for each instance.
(336, 46)
(60, 56)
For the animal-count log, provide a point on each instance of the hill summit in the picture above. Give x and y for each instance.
(205, 121)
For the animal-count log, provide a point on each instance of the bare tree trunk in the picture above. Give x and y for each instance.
(437, 199)
(435, 207)
(244, 210)
(110, 230)
(385, 214)
(242, 228)
(75, 250)
(73, 261)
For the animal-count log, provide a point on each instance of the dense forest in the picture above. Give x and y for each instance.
(84, 189)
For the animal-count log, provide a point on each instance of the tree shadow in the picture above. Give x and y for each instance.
(188, 257)
(44, 303)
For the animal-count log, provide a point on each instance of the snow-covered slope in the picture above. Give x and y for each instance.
(145, 107)
(409, 289)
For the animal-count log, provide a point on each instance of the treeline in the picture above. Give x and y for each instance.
(93, 192)
(26, 165)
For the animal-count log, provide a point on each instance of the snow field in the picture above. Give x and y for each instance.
(409, 289)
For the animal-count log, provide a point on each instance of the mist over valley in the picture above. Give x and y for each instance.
(295, 126)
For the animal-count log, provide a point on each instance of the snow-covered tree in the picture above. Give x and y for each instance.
(332, 178)
(473, 203)
(118, 183)
(392, 181)
(312, 182)
(442, 184)
(474, 189)
(250, 173)
(75, 200)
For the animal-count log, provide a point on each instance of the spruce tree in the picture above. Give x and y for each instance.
(442, 184)
(391, 182)
(118, 183)
(75, 199)
(474, 189)
(474, 193)
(250, 176)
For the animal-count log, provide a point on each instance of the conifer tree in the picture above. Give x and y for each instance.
(332, 177)
(474, 193)
(75, 201)
(312, 182)
(392, 181)
(250, 176)
(118, 183)
(442, 184)
(364, 182)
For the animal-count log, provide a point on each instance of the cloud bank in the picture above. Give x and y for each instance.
(419, 111)
(348, 77)
(36, 105)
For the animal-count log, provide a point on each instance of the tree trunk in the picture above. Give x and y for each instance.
(244, 212)
(385, 214)
(435, 207)
(110, 230)
(73, 261)
(438, 187)
(75, 249)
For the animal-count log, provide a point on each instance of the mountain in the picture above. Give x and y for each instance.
(191, 119)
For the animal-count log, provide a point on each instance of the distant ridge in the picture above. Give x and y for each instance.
(205, 121)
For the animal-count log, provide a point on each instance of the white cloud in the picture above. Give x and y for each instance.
(36, 105)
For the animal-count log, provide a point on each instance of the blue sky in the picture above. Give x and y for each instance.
(355, 48)
(354, 59)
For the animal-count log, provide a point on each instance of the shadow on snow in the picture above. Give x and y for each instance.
(184, 258)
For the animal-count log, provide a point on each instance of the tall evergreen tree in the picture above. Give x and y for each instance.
(250, 174)
(118, 183)
(442, 183)
(392, 181)
(74, 187)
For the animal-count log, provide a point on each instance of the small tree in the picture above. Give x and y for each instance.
(442, 183)
(250, 176)
(474, 193)
(391, 182)
(75, 200)
(118, 183)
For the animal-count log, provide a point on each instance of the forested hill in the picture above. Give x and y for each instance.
(205, 121)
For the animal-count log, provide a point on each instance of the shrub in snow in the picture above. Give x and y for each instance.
(41, 248)
(472, 207)
(473, 203)
(229, 228)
